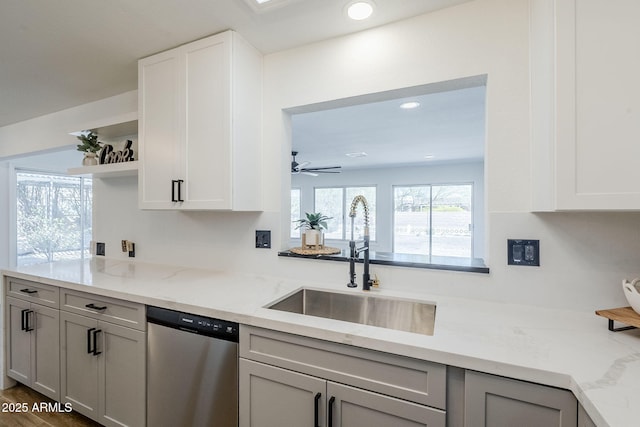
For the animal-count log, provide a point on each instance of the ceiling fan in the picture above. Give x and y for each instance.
(300, 167)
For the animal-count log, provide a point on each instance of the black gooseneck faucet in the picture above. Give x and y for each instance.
(354, 252)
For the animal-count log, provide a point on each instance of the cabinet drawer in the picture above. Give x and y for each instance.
(398, 376)
(99, 307)
(33, 291)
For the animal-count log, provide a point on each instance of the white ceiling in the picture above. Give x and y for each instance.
(449, 125)
(56, 54)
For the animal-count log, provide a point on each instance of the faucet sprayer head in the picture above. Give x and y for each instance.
(365, 205)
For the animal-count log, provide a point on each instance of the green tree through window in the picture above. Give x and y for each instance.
(53, 217)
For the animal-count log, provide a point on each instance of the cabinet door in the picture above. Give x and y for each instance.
(492, 401)
(207, 143)
(584, 99)
(602, 99)
(45, 351)
(275, 397)
(19, 341)
(161, 107)
(353, 407)
(122, 379)
(79, 366)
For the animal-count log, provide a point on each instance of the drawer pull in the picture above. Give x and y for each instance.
(29, 291)
(95, 307)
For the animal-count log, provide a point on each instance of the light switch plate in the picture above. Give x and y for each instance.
(523, 252)
(100, 248)
(263, 239)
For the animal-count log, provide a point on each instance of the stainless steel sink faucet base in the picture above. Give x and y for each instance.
(354, 252)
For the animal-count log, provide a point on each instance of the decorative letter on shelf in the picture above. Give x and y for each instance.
(108, 155)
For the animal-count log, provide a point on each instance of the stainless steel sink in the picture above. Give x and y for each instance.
(392, 313)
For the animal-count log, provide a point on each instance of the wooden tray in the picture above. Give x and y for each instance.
(325, 250)
(624, 315)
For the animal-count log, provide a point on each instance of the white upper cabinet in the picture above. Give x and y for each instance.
(200, 126)
(585, 104)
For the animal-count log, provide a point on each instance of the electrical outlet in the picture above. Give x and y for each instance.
(523, 252)
(263, 239)
(100, 248)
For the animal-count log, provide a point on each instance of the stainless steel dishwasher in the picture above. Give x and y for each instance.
(192, 370)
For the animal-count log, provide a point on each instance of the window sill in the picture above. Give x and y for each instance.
(470, 265)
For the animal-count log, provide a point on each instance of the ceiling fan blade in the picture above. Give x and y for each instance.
(321, 168)
(309, 173)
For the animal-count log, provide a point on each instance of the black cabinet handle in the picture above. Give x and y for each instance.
(23, 319)
(180, 181)
(95, 342)
(27, 323)
(173, 190)
(29, 291)
(95, 307)
(316, 410)
(333, 399)
(89, 350)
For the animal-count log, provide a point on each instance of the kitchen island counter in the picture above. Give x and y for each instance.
(567, 349)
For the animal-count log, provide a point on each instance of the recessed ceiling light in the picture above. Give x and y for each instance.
(360, 10)
(262, 6)
(410, 105)
(356, 154)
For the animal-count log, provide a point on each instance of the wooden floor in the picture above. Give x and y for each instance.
(14, 399)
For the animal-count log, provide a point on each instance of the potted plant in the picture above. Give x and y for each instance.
(90, 146)
(314, 223)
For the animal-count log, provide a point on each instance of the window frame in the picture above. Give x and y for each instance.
(431, 185)
(85, 251)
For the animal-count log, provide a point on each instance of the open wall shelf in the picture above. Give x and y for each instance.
(111, 170)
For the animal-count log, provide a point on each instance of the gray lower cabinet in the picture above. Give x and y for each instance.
(32, 346)
(493, 401)
(584, 420)
(275, 397)
(289, 380)
(103, 370)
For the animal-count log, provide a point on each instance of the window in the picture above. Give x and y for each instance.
(335, 202)
(433, 220)
(295, 213)
(53, 217)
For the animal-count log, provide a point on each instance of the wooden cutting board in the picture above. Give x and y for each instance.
(624, 315)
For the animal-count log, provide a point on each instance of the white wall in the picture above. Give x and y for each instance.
(584, 255)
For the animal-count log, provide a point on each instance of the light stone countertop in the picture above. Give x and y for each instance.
(566, 349)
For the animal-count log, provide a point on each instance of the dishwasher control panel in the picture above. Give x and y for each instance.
(193, 323)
